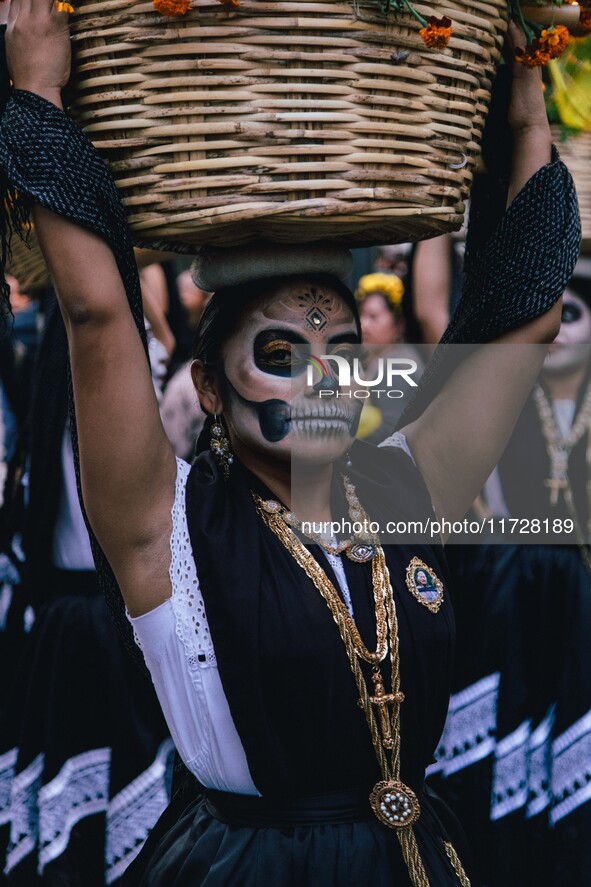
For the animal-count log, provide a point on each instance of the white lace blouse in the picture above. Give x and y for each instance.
(179, 654)
(178, 650)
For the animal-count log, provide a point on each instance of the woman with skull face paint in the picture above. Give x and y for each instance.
(225, 599)
(514, 755)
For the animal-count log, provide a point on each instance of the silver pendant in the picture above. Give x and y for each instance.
(361, 552)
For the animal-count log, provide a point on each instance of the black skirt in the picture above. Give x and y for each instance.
(224, 840)
(88, 749)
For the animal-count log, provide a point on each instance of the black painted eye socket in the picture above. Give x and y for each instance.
(280, 358)
(570, 313)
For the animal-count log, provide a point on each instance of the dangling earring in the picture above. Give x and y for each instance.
(347, 460)
(220, 447)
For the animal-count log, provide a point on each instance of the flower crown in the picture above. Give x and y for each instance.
(388, 285)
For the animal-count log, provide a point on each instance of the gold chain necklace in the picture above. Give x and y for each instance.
(392, 802)
(559, 449)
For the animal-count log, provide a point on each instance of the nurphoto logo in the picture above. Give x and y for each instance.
(329, 373)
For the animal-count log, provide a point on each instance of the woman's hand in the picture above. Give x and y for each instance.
(527, 119)
(527, 108)
(38, 48)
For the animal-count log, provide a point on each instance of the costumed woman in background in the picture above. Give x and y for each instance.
(380, 299)
(515, 757)
(287, 720)
(85, 759)
(84, 751)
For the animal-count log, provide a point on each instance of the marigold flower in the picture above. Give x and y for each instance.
(531, 57)
(172, 7)
(437, 32)
(64, 7)
(554, 40)
(549, 45)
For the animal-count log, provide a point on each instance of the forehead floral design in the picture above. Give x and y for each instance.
(315, 307)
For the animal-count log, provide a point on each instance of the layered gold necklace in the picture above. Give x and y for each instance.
(559, 448)
(392, 802)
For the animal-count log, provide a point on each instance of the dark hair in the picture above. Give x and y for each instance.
(225, 311)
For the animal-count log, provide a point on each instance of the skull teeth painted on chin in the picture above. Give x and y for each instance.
(277, 419)
(330, 420)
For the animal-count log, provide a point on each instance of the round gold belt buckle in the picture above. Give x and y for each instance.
(395, 804)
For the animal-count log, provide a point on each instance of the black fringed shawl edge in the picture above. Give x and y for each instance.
(518, 275)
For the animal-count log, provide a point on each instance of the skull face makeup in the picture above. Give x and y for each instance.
(267, 403)
(571, 348)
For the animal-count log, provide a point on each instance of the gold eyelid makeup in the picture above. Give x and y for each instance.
(275, 345)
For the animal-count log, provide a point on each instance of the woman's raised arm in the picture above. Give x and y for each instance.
(460, 435)
(127, 465)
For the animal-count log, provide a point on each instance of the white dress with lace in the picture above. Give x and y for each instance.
(178, 650)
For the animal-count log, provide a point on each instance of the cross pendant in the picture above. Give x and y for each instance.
(556, 485)
(382, 700)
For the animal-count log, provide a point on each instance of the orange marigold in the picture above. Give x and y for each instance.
(437, 32)
(549, 45)
(554, 40)
(532, 57)
(64, 7)
(172, 7)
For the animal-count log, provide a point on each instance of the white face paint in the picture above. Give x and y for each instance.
(267, 404)
(571, 348)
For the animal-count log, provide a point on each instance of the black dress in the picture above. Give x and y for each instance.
(85, 758)
(515, 758)
(293, 699)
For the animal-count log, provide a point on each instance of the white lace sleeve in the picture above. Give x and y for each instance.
(187, 600)
(398, 439)
(178, 650)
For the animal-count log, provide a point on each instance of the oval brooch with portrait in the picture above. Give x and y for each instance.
(424, 584)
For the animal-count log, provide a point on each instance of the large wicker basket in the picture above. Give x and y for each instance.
(293, 121)
(576, 153)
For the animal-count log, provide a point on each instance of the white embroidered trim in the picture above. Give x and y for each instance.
(571, 776)
(470, 728)
(337, 564)
(398, 439)
(133, 813)
(540, 766)
(24, 813)
(187, 601)
(7, 773)
(80, 789)
(510, 774)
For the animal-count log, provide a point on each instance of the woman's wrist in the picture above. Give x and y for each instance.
(532, 149)
(49, 93)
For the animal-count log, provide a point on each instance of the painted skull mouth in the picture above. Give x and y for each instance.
(322, 415)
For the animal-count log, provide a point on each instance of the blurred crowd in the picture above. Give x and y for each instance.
(79, 792)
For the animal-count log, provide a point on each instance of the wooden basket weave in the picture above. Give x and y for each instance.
(293, 121)
(576, 153)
